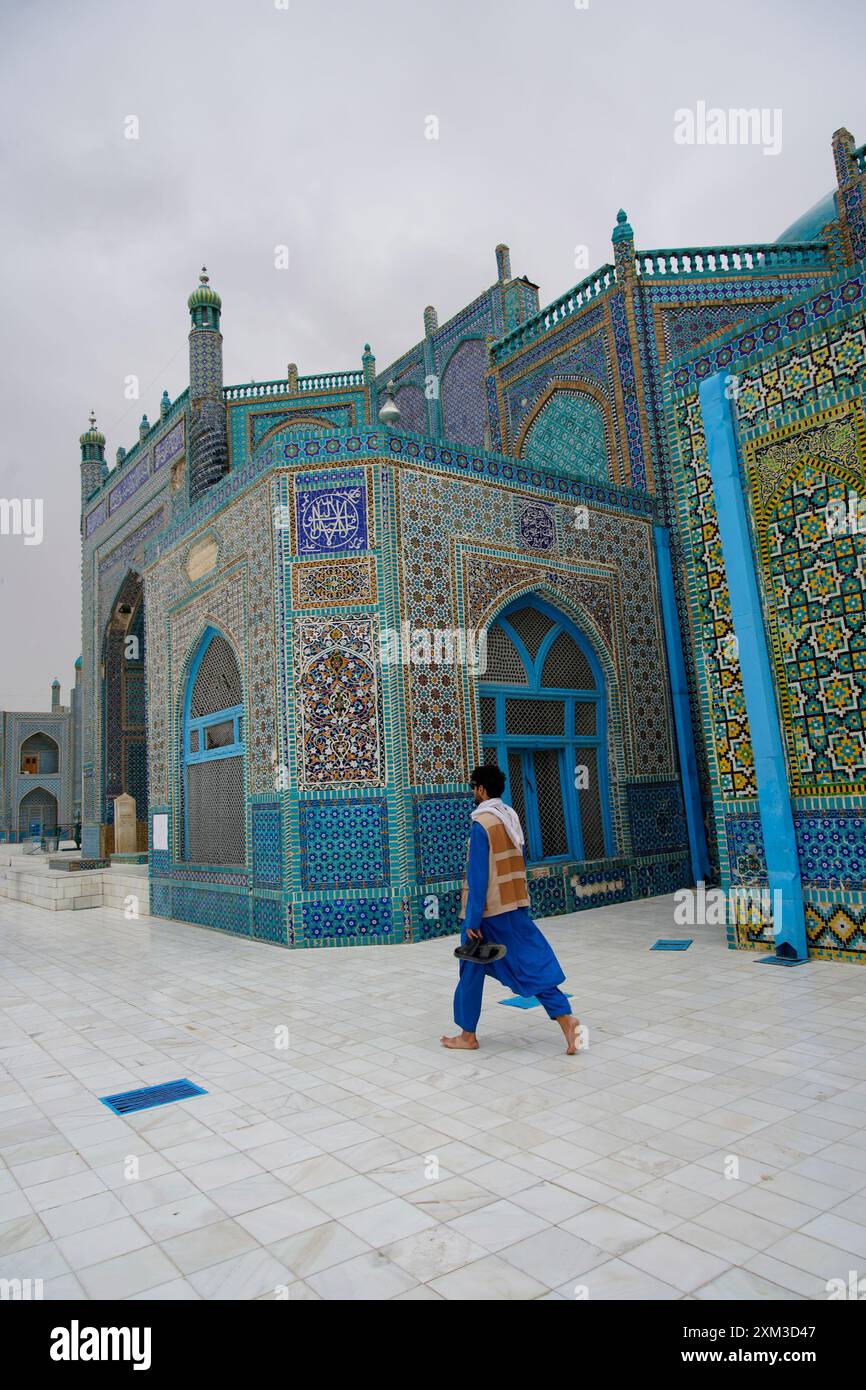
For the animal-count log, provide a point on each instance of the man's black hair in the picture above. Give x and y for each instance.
(492, 779)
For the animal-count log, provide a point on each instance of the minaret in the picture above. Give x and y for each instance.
(208, 442)
(55, 695)
(94, 469)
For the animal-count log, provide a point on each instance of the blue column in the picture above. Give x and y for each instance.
(774, 800)
(682, 713)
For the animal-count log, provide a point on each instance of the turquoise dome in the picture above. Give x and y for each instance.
(810, 225)
(92, 435)
(203, 294)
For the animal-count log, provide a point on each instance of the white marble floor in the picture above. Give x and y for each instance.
(710, 1143)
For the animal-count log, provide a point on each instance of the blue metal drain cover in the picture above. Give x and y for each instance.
(127, 1102)
(672, 945)
(779, 960)
(520, 1001)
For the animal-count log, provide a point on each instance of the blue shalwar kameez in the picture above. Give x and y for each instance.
(529, 968)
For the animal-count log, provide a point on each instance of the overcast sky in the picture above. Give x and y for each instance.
(306, 126)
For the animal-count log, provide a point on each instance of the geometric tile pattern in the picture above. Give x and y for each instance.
(800, 371)
(483, 517)
(837, 928)
(569, 433)
(462, 392)
(819, 616)
(344, 844)
(267, 845)
(347, 922)
(441, 825)
(547, 896)
(656, 817)
(727, 705)
(831, 847)
(269, 920)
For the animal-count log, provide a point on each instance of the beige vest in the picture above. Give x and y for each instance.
(506, 875)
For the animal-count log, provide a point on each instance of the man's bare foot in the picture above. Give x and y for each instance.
(570, 1026)
(464, 1040)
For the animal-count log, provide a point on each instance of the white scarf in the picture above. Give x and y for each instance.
(493, 806)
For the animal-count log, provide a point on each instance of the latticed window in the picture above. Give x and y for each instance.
(543, 721)
(213, 791)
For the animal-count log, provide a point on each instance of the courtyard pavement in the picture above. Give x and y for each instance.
(363, 1161)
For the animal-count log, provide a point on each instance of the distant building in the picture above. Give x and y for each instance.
(40, 781)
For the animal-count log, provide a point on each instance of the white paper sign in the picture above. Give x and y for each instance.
(160, 832)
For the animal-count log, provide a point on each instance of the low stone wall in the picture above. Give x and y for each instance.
(28, 878)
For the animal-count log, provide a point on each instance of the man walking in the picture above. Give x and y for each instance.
(494, 911)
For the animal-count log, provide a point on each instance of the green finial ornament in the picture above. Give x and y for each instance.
(622, 231)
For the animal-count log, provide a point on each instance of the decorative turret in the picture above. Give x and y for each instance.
(144, 428)
(431, 321)
(851, 197)
(92, 443)
(292, 377)
(208, 442)
(164, 405)
(94, 469)
(368, 363)
(55, 695)
(623, 247)
(119, 456)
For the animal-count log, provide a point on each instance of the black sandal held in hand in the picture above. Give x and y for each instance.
(481, 952)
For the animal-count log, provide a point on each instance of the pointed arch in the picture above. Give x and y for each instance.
(300, 423)
(543, 718)
(212, 760)
(38, 804)
(124, 733)
(41, 751)
(571, 427)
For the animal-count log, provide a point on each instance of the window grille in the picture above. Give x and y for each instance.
(515, 786)
(215, 811)
(590, 807)
(218, 682)
(534, 716)
(566, 666)
(585, 718)
(488, 715)
(504, 662)
(548, 793)
(532, 626)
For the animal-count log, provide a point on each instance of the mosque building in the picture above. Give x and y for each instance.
(613, 544)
